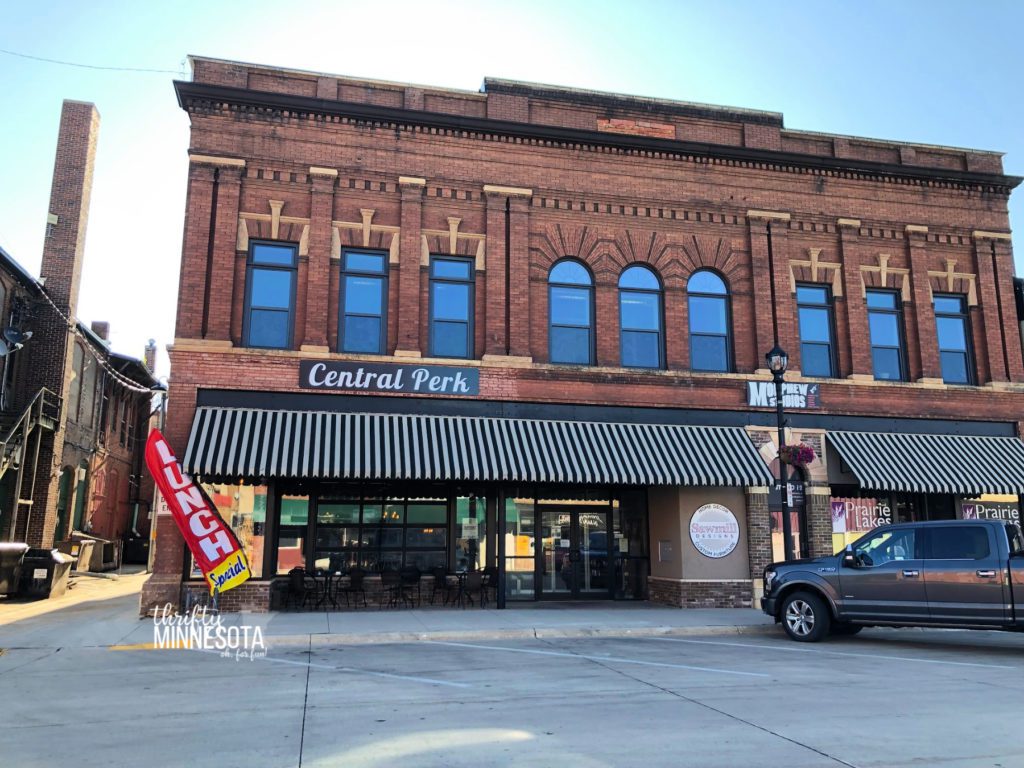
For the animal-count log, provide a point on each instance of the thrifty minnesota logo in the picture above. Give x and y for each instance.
(200, 630)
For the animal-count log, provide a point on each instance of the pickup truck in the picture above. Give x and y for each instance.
(956, 573)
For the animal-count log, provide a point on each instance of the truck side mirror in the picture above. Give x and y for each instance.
(850, 559)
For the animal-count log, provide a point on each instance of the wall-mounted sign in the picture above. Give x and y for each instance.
(797, 497)
(761, 394)
(976, 509)
(859, 514)
(388, 377)
(714, 530)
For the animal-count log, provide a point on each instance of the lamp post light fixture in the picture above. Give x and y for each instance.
(777, 360)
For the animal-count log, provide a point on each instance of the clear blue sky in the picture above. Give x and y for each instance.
(926, 71)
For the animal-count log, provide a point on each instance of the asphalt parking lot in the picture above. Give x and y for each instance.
(884, 698)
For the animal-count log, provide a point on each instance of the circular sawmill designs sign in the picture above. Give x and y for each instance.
(714, 530)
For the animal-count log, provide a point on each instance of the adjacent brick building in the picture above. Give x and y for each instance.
(73, 414)
(599, 276)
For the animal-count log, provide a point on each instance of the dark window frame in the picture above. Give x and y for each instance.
(896, 312)
(968, 351)
(730, 361)
(592, 351)
(659, 292)
(342, 299)
(830, 307)
(362, 552)
(250, 267)
(470, 324)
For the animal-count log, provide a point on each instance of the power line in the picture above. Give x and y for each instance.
(89, 66)
(121, 379)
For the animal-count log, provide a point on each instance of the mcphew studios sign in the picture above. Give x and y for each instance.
(387, 377)
(761, 394)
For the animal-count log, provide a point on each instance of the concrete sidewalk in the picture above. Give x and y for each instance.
(109, 618)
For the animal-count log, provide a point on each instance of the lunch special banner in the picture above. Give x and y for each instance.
(212, 543)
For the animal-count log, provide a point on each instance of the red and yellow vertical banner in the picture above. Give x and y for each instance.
(212, 543)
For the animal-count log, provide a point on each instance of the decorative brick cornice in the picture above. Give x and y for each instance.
(207, 98)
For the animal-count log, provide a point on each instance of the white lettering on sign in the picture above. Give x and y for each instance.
(714, 530)
(761, 394)
(971, 509)
(857, 515)
(387, 377)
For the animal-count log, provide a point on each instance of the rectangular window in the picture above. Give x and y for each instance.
(885, 324)
(954, 339)
(364, 298)
(244, 509)
(817, 350)
(269, 296)
(957, 543)
(451, 307)
(292, 533)
(378, 536)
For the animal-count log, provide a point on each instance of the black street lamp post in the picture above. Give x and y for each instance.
(777, 361)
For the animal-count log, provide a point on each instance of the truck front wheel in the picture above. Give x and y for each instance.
(805, 617)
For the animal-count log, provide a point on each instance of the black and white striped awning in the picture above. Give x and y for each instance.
(955, 464)
(243, 442)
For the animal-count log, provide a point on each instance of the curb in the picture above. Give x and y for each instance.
(534, 633)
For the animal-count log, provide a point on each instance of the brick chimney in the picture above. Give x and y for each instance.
(150, 356)
(51, 349)
(101, 328)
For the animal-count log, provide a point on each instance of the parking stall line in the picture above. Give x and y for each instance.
(817, 651)
(605, 659)
(357, 671)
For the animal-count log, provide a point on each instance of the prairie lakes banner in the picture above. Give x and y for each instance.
(212, 543)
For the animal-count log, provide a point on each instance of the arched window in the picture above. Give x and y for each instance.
(571, 314)
(710, 342)
(640, 318)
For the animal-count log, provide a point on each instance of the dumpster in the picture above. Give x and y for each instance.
(44, 573)
(11, 554)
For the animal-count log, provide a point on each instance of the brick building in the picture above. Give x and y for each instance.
(73, 413)
(526, 328)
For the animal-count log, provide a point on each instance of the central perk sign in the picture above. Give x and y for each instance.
(388, 377)
(761, 394)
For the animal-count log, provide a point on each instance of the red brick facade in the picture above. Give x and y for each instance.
(519, 176)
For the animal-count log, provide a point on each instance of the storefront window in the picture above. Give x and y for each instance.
(378, 535)
(291, 537)
(629, 528)
(853, 516)
(244, 508)
(519, 551)
(470, 533)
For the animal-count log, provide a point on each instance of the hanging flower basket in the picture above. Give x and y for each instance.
(799, 455)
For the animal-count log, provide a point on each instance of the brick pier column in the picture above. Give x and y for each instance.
(410, 252)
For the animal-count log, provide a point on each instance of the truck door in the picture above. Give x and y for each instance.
(885, 584)
(964, 575)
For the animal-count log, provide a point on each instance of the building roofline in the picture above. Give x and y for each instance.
(334, 76)
(23, 275)
(191, 91)
(631, 101)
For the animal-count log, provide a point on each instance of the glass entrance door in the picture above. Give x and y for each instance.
(574, 556)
